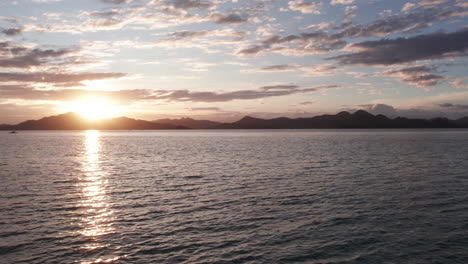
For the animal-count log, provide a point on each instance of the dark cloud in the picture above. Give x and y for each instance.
(12, 31)
(422, 76)
(320, 70)
(252, 50)
(228, 18)
(404, 50)
(322, 41)
(280, 87)
(187, 34)
(398, 23)
(36, 57)
(278, 68)
(14, 56)
(57, 78)
(8, 49)
(454, 106)
(263, 92)
(191, 4)
(29, 93)
(201, 39)
(305, 43)
(204, 109)
(424, 80)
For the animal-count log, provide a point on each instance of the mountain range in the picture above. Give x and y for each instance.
(358, 119)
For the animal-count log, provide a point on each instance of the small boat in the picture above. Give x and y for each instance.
(12, 132)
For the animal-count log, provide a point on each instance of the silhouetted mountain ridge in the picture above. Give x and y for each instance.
(342, 120)
(73, 121)
(188, 122)
(358, 119)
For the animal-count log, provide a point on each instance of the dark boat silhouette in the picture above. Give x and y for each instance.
(12, 132)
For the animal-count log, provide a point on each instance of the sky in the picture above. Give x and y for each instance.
(223, 59)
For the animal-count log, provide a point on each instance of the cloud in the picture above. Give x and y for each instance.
(46, 1)
(14, 56)
(279, 87)
(178, 35)
(459, 83)
(305, 7)
(105, 14)
(116, 1)
(321, 41)
(462, 4)
(432, 2)
(63, 79)
(341, 2)
(192, 4)
(277, 68)
(407, 7)
(405, 22)
(36, 57)
(421, 76)
(319, 70)
(26, 92)
(431, 110)
(380, 109)
(299, 45)
(12, 31)
(263, 92)
(208, 40)
(204, 109)
(154, 14)
(227, 18)
(454, 106)
(404, 50)
(251, 50)
(350, 12)
(15, 113)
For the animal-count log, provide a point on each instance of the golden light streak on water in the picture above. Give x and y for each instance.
(98, 219)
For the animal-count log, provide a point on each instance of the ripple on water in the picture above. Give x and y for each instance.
(234, 197)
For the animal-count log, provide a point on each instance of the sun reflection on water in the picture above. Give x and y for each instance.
(97, 219)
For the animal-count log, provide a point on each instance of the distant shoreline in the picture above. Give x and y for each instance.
(247, 129)
(343, 120)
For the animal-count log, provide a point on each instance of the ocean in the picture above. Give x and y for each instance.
(234, 196)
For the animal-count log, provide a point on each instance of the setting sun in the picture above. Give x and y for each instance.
(94, 108)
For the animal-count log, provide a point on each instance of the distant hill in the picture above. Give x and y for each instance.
(359, 119)
(5, 127)
(462, 122)
(189, 122)
(73, 121)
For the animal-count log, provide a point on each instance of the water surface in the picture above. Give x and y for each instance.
(285, 196)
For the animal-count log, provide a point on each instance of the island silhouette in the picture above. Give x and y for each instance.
(342, 120)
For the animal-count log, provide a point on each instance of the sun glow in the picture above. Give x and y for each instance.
(94, 108)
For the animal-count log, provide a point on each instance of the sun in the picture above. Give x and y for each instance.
(93, 108)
